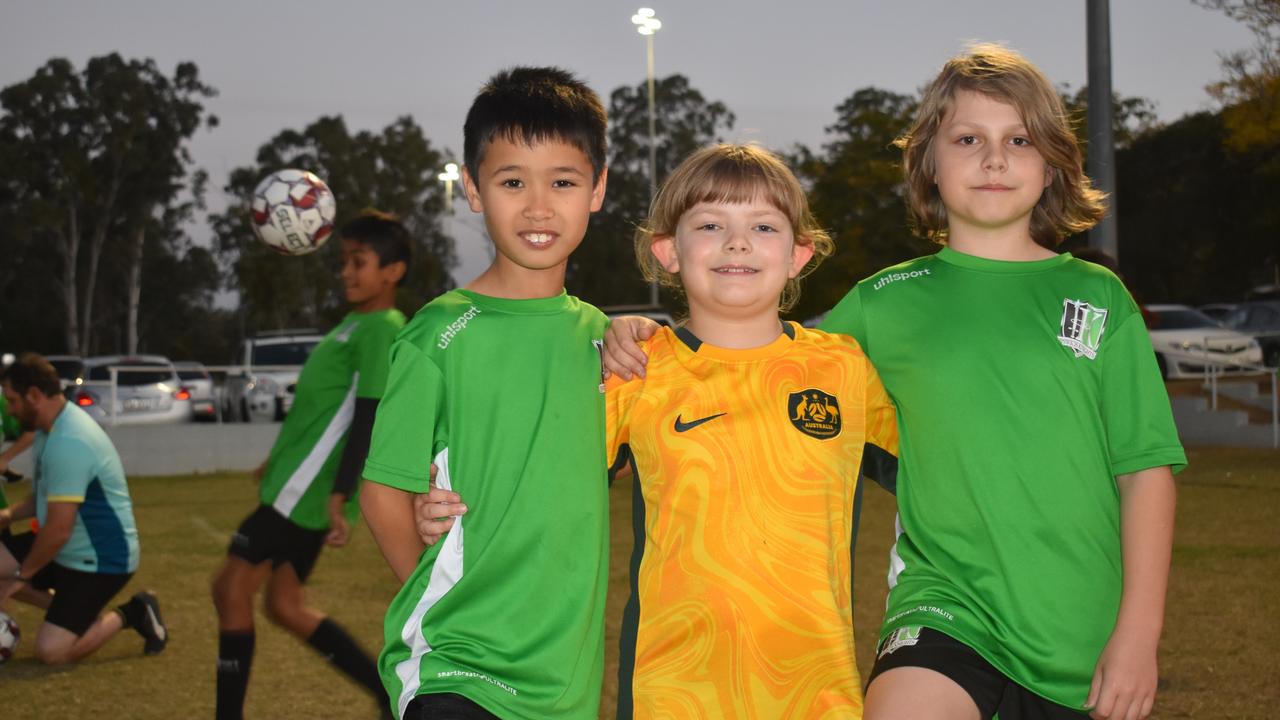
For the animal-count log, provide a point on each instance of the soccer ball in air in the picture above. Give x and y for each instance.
(9, 636)
(293, 211)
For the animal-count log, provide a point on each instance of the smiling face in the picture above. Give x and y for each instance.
(988, 173)
(733, 259)
(366, 282)
(536, 201)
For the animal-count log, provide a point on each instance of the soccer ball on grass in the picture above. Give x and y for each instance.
(293, 211)
(9, 636)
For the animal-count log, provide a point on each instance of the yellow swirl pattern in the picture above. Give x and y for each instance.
(745, 581)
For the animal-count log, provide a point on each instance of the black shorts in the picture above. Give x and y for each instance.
(268, 535)
(445, 706)
(992, 691)
(78, 597)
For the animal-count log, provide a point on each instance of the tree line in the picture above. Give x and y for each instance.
(98, 193)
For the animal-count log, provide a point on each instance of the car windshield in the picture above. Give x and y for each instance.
(133, 373)
(290, 353)
(67, 369)
(1181, 320)
(193, 374)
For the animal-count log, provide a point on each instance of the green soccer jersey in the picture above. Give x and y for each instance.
(508, 609)
(1023, 389)
(350, 362)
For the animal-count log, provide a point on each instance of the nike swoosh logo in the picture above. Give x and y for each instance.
(156, 625)
(685, 426)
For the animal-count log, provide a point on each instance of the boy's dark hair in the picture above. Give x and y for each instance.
(536, 104)
(31, 370)
(383, 233)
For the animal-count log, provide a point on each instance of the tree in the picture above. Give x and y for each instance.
(856, 190)
(603, 270)
(91, 156)
(393, 170)
(1250, 92)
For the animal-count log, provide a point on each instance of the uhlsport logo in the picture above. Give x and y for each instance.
(452, 329)
(814, 413)
(896, 276)
(900, 638)
(1082, 326)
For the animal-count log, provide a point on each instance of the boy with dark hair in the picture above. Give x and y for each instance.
(87, 548)
(309, 481)
(498, 384)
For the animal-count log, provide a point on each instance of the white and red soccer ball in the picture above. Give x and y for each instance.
(9, 636)
(293, 211)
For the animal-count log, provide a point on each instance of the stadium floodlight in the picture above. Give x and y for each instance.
(448, 177)
(647, 23)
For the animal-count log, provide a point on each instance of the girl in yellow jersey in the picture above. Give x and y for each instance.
(746, 436)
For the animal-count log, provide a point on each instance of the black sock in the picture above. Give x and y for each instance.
(335, 644)
(131, 612)
(235, 656)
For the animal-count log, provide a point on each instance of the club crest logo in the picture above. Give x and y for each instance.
(900, 638)
(814, 413)
(1082, 326)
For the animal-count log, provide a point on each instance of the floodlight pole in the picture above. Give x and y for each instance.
(647, 24)
(1101, 164)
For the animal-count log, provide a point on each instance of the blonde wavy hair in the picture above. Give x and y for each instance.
(731, 174)
(1069, 205)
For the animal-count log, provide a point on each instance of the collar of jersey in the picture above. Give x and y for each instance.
(715, 352)
(534, 306)
(1008, 267)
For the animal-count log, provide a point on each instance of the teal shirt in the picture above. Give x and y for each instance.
(76, 462)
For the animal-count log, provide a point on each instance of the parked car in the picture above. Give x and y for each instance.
(263, 379)
(69, 368)
(146, 390)
(1185, 339)
(1261, 320)
(196, 379)
(1218, 312)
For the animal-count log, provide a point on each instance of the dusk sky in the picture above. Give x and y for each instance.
(781, 67)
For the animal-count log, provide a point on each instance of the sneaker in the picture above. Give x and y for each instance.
(150, 625)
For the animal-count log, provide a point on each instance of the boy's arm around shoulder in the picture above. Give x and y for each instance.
(623, 356)
(1124, 681)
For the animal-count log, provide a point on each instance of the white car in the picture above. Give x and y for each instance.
(144, 390)
(263, 377)
(196, 379)
(1186, 340)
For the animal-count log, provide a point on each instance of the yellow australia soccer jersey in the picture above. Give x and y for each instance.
(747, 496)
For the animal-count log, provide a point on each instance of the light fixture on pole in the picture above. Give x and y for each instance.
(448, 177)
(647, 24)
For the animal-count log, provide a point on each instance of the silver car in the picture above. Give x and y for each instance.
(197, 381)
(131, 390)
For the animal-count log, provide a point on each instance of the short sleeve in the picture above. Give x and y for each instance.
(882, 416)
(619, 401)
(66, 468)
(409, 429)
(1135, 405)
(373, 357)
(846, 318)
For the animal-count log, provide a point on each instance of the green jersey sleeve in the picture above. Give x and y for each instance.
(846, 318)
(373, 355)
(410, 425)
(1135, 405)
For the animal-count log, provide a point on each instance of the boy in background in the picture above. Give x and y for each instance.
(498, 384)
(309, 481)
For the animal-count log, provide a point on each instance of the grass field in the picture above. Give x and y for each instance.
(1219, 657)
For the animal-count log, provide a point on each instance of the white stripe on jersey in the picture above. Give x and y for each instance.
(896, 566)
(445, 573)
(302, 478)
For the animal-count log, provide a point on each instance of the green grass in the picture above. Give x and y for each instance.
(1218, 658)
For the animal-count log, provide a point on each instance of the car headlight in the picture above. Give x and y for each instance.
(1188, 346)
